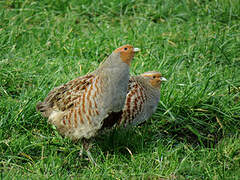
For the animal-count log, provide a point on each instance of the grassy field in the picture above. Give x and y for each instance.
(195, 133)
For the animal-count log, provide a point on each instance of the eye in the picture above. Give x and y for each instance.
(125, 48)
(154, 77)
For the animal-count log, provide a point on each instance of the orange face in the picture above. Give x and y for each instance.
(155, 78)
(126, 53)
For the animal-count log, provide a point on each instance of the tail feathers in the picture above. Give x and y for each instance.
(44, 108)
(55, 117)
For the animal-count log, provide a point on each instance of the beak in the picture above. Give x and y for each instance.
(136, 49)
(163, 79)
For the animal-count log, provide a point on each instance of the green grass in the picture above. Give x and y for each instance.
(195, 133)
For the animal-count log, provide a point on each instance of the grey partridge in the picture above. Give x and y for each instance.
(142, 98)
(79, 107)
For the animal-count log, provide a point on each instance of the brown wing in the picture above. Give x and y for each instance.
(87, 113)
(62, 97)
(134, 104)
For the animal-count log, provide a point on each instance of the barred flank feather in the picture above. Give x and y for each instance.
(142, 98)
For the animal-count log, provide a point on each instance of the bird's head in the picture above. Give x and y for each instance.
(154, 78)
(126, 53)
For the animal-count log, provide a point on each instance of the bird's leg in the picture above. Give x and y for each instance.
(86, 146)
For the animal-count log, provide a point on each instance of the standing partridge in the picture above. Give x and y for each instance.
(142, 99)
(79, 107)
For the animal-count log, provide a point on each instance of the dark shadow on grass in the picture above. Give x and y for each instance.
(118, 140)
(139, 139)
(128, 142)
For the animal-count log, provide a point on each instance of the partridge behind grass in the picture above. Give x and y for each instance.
(142, 98)
(79, 107)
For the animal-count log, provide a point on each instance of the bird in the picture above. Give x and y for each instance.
(79, 107)
(141, 100)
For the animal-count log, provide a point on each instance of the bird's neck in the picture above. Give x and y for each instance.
(114, 61)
